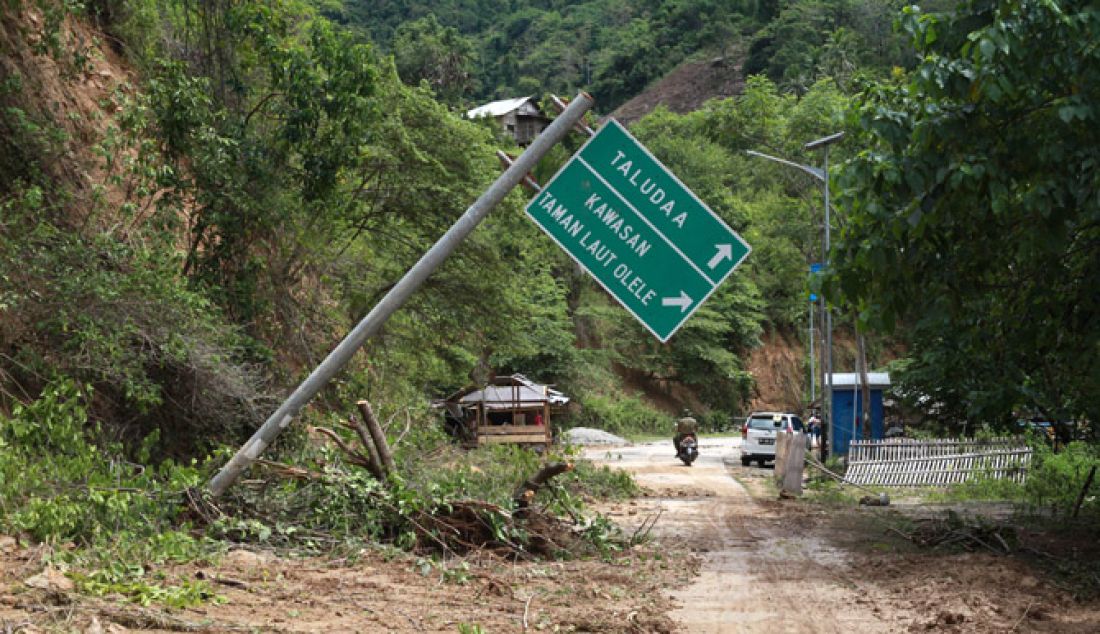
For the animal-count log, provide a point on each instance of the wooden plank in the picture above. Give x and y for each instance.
(521, 439)
(497, 430)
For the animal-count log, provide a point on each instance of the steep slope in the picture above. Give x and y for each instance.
(76, 89)
(779, 366)
(686, 88)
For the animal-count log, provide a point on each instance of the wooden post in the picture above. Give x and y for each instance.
(379, 437)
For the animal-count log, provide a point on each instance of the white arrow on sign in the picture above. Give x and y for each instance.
(725, 251)
(683, 301)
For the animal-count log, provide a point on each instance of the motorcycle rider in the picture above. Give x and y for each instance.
(685, 427)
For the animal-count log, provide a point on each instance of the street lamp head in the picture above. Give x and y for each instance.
(823, 141)
(817, 173)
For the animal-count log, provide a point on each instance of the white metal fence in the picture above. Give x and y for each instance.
(904, 462)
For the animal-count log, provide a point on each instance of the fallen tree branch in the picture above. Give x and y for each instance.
(353, 456)
(404, 432)
(148, 618)
(526, 491)
(289, 471)
(644, 529)
(526, 607)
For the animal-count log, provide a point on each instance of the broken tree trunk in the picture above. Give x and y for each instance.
(526, 491)
(379, 436)
(374, 462)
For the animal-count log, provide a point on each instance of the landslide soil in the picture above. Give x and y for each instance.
(260, 591)
(770, 565)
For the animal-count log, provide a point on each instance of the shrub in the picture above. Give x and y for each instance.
(58, 486)
(117, 315)
(1054, 481)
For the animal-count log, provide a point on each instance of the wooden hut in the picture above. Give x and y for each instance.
(520, 117)
(510, 409)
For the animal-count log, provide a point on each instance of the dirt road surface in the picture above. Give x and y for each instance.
(754, 577)
(727, 556)
(788, 566)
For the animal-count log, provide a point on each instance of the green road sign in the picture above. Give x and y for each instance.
(638, 230)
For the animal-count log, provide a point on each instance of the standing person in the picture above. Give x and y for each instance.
(686, 426)
(814, 429)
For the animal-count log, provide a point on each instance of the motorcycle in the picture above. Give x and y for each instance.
(689, 449)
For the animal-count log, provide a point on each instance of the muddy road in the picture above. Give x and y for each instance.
(767, 565)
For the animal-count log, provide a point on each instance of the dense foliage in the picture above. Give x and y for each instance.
(974, 218)
(615, 48)
(274, 177)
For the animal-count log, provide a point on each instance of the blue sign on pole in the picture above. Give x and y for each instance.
(813, 297)
(815, 267)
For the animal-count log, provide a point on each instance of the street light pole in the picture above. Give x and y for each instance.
(827, 382)
(821, 174)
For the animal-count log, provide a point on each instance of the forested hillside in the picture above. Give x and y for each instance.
(262, 176)
(255, 176)
(470, 50)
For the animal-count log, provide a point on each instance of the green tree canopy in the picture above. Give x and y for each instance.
(424, 50)
(973, 209)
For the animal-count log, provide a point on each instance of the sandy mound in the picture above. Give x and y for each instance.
(589, 436)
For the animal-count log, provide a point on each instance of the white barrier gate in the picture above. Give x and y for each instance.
(905, 462)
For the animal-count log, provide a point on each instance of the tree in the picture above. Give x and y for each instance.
(973, 213)
(424, 50)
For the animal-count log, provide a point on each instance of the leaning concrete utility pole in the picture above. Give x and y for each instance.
(396, 297)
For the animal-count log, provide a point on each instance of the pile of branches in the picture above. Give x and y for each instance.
(469, 526)
(952, 531)
(456, 527)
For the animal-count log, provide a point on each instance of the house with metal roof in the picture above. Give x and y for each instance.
(520, 117)
(510, 409)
